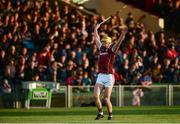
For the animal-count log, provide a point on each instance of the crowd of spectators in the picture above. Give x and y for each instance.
(41, 41)
(170, 11)
(167, 9)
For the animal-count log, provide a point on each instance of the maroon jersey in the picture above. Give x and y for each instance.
(106, 60)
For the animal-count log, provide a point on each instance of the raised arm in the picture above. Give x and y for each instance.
(119, 41)
(96, 36)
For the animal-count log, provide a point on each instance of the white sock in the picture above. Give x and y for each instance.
(101, 113)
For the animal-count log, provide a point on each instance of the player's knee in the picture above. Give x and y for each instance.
(106, 99)
(96, 97)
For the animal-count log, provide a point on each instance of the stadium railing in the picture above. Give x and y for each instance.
(154, 95)
(122, 95)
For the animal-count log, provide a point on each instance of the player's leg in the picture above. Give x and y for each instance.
(97, 91)
(107, 96)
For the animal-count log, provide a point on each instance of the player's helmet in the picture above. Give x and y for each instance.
(106, 39)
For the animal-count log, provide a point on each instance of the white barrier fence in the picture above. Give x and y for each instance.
(73, 96)
(122, 95)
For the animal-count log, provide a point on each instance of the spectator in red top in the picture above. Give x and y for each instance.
(44, 58)
(171, 52)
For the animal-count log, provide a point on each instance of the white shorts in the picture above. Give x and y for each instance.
(107, 80)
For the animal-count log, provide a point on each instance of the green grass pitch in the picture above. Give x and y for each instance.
(153, 114)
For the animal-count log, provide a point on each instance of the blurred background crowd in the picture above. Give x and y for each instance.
(167, 9)
(46, 41)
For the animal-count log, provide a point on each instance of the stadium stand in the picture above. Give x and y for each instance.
(54, 42)
(167, 9)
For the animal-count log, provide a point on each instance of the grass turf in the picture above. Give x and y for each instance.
(155, 114)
